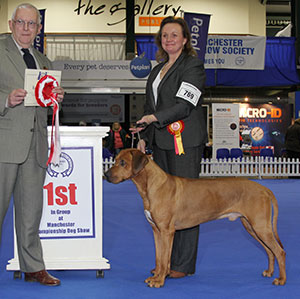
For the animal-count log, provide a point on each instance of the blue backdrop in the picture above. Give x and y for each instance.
(280, 65)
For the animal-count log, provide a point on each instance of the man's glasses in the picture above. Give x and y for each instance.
(22, 23)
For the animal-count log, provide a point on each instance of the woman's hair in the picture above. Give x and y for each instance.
(29, 6)
(161, 54)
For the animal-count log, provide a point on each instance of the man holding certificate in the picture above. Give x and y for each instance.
(23, 141)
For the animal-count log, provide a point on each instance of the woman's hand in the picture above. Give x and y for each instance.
(142, 146)
(148, 119)
(143, 123)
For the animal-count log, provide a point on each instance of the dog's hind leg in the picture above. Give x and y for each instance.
(271, 257)
(265, 233)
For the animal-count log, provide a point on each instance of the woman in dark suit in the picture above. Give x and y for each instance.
(176, 130)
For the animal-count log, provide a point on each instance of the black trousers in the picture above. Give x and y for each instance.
(185, 245)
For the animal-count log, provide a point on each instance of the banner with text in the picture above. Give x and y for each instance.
(93, 108)
(100, 69)
(235, 52)
(198, 25)
(38, 42)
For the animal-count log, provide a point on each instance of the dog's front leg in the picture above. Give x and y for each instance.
(156, 235)
(163, 245)
(157, 241)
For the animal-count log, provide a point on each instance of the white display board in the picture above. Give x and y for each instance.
(225, 126)
(71, 229)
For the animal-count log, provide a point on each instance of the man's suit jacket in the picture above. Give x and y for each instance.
(170, 108)
(18, 124)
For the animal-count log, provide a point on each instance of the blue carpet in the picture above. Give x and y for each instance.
(229, 262)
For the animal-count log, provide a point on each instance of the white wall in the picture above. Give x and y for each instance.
(227, 16)
(257, 18)
(3, 16)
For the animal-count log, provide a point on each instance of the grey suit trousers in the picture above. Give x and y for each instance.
(25, 183)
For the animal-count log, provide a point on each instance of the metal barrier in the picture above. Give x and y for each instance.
(247, 166)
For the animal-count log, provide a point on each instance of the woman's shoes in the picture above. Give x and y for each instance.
(177, 274)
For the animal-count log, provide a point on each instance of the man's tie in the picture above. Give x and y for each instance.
(28, 58)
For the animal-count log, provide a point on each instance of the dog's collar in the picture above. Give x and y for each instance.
(134, 175)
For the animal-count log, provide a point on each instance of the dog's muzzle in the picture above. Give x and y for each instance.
(107, 175)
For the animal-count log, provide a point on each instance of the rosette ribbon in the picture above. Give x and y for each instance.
(175, 129)
(45, 97)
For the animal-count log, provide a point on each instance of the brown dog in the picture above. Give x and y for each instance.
(173, 203)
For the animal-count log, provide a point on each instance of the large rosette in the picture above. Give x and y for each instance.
(45, 97)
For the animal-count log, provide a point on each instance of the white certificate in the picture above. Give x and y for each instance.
(32, 76)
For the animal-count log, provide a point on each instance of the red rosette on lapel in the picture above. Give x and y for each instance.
(175, 129)
(45, 97)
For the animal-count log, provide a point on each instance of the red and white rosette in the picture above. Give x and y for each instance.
(45, 97)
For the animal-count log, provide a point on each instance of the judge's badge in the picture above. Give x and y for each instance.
(175, 129)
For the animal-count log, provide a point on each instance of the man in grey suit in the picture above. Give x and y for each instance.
(23, 142)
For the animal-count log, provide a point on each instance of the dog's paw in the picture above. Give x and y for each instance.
(267, 273)
(279, 281)
(154, 282)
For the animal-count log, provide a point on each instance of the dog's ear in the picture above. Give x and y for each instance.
(139, 160)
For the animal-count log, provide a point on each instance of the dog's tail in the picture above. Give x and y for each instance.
(275, 218)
